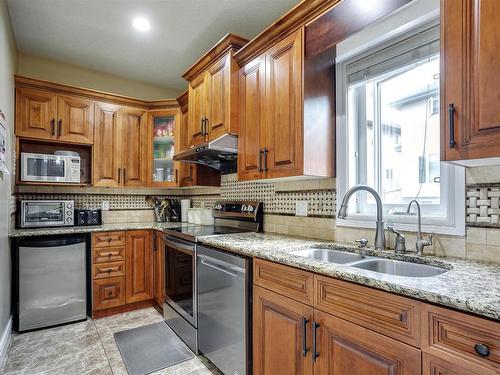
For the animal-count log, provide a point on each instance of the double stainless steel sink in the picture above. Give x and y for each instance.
(371, 263)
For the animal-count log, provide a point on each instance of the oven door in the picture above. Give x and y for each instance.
(45, 214)
(180, 278)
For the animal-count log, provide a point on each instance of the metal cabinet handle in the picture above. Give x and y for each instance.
(304, 336)
(119, 174)
(482, 350)
(124, 174)
(260, 160)
(59, 128)
(176, 176)
(265, 159)
(202, 120)
(53, 126)
(451, 115)
(315, 353)
(109, 270)
(206, 126)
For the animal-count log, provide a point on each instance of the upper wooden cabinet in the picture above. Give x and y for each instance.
(275, 139)
(213, 92)
(121, 152)
(45, 115)
(470, 83)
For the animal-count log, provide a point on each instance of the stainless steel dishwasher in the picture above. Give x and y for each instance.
(224, 309)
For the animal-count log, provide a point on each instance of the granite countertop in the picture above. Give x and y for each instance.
(93, 228)
(468, 286)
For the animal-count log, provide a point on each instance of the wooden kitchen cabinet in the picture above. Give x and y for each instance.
(134, 147)
(346, 348)
(252, 140)
(139, 266)
(107, 157)
(276, 139)
(164, 140)
(470, 83)
(281, 331)
(159, 268)
(437, 366)
(191, 174)
(46, 116)
(213, 92)
(121, 147)
(283, 150)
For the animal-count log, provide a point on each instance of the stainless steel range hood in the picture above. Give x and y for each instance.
(220, 154)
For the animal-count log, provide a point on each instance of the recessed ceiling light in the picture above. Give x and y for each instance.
(141, 24)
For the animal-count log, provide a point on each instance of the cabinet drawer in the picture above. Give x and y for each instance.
(110, 269)
(109, 293)
(394, 316)
(461, 338)
(290, 282)
(104, 239)
(108, 254)
(436, 366)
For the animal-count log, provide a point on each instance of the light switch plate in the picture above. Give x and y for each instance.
(301, 208)
(105, 205)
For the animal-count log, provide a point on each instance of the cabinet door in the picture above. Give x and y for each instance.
(75, 119)
(134, 147)
(196, 112)
(252, 120)
(159, 269)
(469, 78)
(346, 348)
(107, 146)
(139, 270)
(279, 325)
(284, 138)
(36, 113)
(164, 138)
(218, 79)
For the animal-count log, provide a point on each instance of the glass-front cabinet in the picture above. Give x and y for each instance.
(164, 136)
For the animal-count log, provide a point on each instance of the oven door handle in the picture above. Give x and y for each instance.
(178, 245)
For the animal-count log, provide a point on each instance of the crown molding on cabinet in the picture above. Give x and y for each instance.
(58, 88)
(226, 44)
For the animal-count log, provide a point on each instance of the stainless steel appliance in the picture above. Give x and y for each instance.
(88, 217)
(50, 281)
(46, 213)
(50, 168)
(220, 154)
(224, 309)
(181, 306)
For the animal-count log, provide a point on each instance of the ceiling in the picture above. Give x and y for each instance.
(98, 34)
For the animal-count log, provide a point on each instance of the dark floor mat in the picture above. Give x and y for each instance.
(151, 348)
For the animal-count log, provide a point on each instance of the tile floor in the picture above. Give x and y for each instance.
(86, 348)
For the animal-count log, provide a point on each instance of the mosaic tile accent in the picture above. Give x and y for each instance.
(91, 201)
(321, 203)
(483, 205)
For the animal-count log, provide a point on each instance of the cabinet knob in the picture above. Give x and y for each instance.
(109, 270)
(482, 350)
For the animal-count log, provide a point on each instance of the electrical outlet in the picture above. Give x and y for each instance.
(301, 208)
(105, 205)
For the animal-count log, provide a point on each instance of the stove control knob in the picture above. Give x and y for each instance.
(68, 220)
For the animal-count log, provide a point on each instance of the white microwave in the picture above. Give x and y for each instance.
(50, 168)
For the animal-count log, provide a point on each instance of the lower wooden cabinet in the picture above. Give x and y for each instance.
(139, 277)
(125, 267)
(281, 331)
(346, 348)
(108, 293)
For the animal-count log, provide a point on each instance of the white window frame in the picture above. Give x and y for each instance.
(454, 192)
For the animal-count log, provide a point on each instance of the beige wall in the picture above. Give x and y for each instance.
(50, 70)
(8, 64)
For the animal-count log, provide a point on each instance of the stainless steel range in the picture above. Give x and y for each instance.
(181, 309)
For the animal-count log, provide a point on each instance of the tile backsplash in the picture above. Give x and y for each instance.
(483, 205)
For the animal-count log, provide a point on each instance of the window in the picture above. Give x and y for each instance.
(389, 134)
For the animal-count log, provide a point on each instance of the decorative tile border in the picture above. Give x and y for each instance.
(483, 205)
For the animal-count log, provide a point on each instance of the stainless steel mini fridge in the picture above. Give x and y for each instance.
(51, 283)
